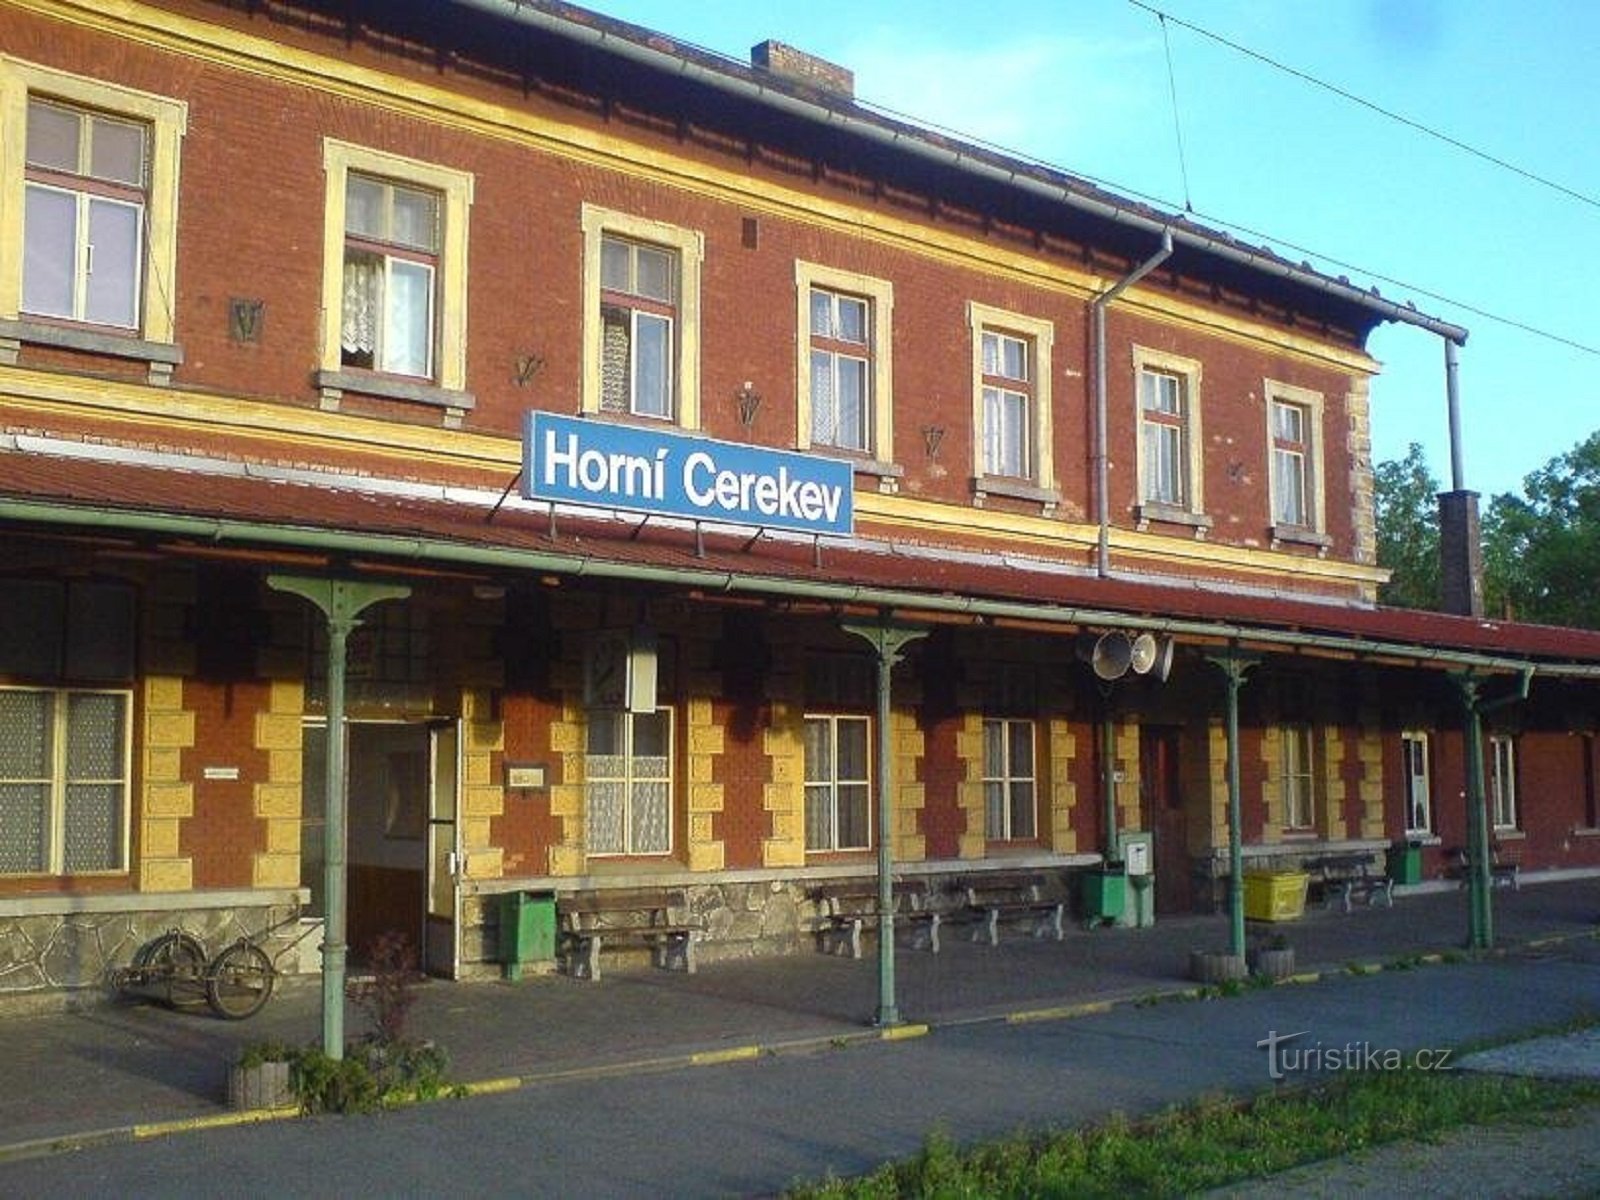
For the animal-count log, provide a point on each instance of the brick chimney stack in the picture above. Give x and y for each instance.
(1460, 554)
(797, 66)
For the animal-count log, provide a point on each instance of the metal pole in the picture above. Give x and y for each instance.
(340, 603)
(1480, 918)
(1452, 395)
(1234, 668)
(887, 641)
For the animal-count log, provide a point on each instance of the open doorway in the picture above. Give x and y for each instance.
(400, 856)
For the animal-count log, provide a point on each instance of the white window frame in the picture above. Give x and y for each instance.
(1190, 455)
(629, 778)
(394, 258)
(1297, 778)
(1416, 776)
(879, 296)
(166, 121)
(58, 783)
(689, 247)
(1039, 338)
(1312, 472)
(454, 189)
(1502, 782)
(834, 782)
(1004, 782)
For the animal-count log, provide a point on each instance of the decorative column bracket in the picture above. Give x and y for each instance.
(340, 602)
(1234, 666)
(888, 642)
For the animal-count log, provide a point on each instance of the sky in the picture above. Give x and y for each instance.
(1084, 85)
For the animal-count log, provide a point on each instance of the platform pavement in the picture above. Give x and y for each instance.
(118, 1071)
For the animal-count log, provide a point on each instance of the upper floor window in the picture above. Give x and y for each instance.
(641, 281)
(88, 214)
(1011, 401)
(83, 227)
(1294, 417)
(395, 278)
(638, 316)
(391, 262)
(1414, 768)
(1170, 483)
(844, 368)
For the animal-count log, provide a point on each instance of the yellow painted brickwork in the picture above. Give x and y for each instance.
(1272, 784)
(483, 735)
(1063, 791)
(1330, 816)
(276, 800)
(166, 801)
(909, 843)
(706, 741)
(1126, 750)
(1369, 752)
(969, 792)
(783, 742)
(1218, 759)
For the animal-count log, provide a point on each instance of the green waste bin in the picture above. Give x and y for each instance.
(1105, 893)
(1405, 863)
(527, 930)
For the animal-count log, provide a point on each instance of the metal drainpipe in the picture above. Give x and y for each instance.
(1452, 394)
(1097, 308)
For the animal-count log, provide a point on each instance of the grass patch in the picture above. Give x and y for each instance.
(1214, 1141)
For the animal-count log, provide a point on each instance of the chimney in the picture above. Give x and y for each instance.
(796, 66)
(1460, 554)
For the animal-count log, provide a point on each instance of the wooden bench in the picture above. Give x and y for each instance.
(846, 907)
(592, 920)
(1505, 865)
(1345, 878)
(1013, 897)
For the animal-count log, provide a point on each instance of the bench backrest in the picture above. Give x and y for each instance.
(854, 895)
(998, 887)
(641, 902)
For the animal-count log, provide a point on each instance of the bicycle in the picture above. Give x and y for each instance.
(235, 984)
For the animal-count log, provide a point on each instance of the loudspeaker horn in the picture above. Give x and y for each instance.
(1152, 656)
(1113, 654)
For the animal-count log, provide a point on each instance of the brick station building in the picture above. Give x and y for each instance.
(283, 286)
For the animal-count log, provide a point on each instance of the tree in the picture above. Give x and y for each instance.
(1405, 495)
(1542, 550)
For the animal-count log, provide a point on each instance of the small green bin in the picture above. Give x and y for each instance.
(1405, 863)
(527, 930)
(1105, 893)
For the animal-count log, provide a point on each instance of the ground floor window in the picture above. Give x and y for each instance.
(64, 767)
(1009, 782)
(1419, 799)
(1298, 778)
(628, 774)
(1503, 782)
(838, 783)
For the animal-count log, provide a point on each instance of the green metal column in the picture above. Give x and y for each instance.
(1234, 667)
(887, 641)
(340, 604)
(1480, 917)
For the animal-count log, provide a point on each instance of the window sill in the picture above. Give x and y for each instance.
(1586, 831)
(984, 486)
(1508, 833)
(334, 384)
(1421, 837)
(162, 357)
(1165, 514)
(1298, 535)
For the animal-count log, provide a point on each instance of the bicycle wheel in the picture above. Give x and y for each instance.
(240, 981)
(173, 966)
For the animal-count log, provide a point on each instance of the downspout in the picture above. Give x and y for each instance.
(1097, 309)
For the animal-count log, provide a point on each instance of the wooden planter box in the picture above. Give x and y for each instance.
(1215, 966)
(265, 1085)
(1272, 963)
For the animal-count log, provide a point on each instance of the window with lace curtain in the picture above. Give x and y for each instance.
(65, 760)
(845, 399)
(391, 257)
(628, 782)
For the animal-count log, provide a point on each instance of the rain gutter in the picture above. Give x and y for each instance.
(961, 159)
(438, 550)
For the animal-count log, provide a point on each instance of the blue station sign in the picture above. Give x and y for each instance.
(653, 471)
